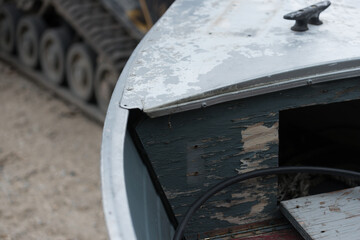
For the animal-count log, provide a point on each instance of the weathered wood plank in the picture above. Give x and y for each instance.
(191, 151)
(200, 150)
(329, 216)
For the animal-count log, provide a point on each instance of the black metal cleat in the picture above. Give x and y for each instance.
(308, 15)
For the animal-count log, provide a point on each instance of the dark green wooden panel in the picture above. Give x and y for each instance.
(193, 150)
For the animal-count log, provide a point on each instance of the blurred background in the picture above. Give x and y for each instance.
(59, 63)
(49, 165)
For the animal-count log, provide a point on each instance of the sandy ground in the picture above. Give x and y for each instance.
(49, 166)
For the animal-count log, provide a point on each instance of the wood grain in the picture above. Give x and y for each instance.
(329, 216)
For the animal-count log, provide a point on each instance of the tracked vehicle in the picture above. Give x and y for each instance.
(224, 88)
(80, 45)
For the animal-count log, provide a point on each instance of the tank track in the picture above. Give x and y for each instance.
(95, 26)
(99, 28)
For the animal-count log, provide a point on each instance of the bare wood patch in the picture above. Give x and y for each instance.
(258, 137)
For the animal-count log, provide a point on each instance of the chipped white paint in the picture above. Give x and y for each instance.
(330, 216)
(119, 157)
(204, 49)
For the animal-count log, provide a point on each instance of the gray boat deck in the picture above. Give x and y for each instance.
(334, 215)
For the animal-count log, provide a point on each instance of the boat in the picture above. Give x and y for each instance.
(218, 89)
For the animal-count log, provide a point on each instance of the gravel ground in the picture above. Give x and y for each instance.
(49, 166)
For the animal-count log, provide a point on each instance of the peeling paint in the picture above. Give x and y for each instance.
(257, 208)
(234, 202)
(230, 219)
(339, 219)
(171, 195)
(201, 49)
(250, 164)
(240, 119)
(206, 129)
(246, 198)
(238, 220)
(334, 208)
(258, 137)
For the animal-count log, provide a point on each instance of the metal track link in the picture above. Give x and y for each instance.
(96, 27)
(89, 109)
(99, 29)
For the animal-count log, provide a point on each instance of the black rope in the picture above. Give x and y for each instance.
(257, 173)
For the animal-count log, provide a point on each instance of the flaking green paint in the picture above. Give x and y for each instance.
(194, 150)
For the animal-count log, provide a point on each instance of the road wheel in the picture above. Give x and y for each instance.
(80, 67)
(28, 33)
(105, 81)
(9, 17)
(53, 46)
